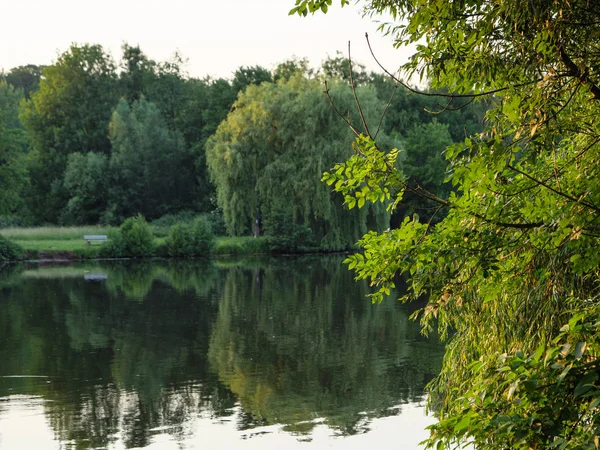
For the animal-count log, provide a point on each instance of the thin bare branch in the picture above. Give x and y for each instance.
(437, 94)
(352, 85)
(345, 119)
(385, 111)
(448, 108)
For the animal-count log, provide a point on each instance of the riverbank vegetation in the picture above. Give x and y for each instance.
(512, 272)
(88, 141)
(68, 243)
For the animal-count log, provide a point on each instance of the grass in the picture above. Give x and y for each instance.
(70, 239)
(52, 245)
(244, 245)
(53, 233)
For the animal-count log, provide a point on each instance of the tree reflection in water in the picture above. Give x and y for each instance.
(155, 344)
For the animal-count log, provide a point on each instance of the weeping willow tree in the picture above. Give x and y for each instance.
(267, 158)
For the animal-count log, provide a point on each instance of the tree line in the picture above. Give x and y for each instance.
(87, 140)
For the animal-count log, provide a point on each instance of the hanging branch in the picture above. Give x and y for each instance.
(547, 186)
(432, 94)
(385, 110)
(358, 107)
(344, 118)
(447, 107)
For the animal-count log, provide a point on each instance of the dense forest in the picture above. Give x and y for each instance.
(88, 140)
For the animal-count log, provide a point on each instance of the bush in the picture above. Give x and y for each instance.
(9, 250)
(180, 241)
(203, 236)
(137, 237)
(134, 238)
(185, 240)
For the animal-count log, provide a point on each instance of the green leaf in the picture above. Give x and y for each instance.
(586, 383)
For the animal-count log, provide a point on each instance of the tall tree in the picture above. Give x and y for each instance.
(12, 150)
(69, 113)
(138, 73)
(246, 75)
(267, 157)
(341, 67)
(514, 268)
(25, 77)
(206, 105)
(148, 162)
(425, 168)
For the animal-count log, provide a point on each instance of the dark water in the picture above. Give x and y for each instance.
(263, 353)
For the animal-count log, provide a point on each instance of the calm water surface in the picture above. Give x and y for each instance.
(249, 354)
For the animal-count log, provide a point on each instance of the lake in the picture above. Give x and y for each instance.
(257, 353)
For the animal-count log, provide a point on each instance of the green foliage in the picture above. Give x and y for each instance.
(147, 162)
(12, 150)
(286, 236)
(53, 233)
(290, 68)
(162, 226)
(267, 157)
(241, 246)
(545, 399)
(134, 239)
(245, 76)
(69, 113)
(195, 239)
(516, 256)
(338, 67)
(408, 111)
(138, 73)
(203, 237)
(303, 7)
(25, 77)
(87, 177)
(9, 250)
(425, 169)
(12, 221)
(180, 241)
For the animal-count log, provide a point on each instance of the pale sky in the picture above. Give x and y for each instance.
(216, 36)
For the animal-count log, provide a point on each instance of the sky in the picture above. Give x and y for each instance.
(215, 36)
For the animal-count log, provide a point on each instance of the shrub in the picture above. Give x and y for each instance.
(115, 247)
(180, 241)
(136, 237)
(203, 236)
(284, 235)
(9, 250)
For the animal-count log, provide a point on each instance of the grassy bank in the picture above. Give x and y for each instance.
(68, 242)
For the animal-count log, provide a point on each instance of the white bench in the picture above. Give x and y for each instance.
(89, 238)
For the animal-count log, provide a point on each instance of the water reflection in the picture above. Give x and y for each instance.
(150, 348)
